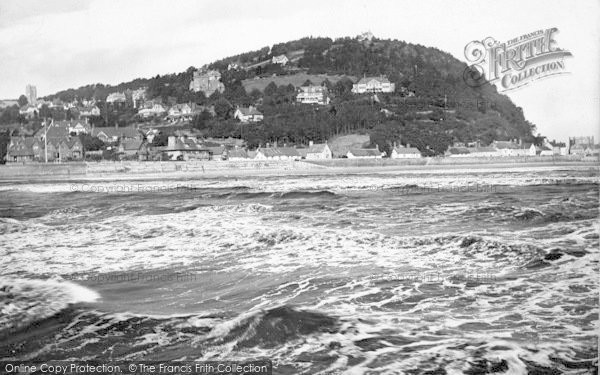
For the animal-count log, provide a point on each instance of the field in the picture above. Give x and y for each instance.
(340, 145)
(295, 79)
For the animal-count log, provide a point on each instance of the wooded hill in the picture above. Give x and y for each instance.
(431, 107)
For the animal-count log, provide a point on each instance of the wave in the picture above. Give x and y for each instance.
(24, 301)
(271, 328)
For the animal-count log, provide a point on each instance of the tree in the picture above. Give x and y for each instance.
(23, 101)
(222, 108)
(91, 143)
(271, 89)
(161, 139)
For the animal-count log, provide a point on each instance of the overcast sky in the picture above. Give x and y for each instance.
(59, 44)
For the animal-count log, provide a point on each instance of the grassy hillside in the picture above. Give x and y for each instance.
(259, 83)
(341, 144)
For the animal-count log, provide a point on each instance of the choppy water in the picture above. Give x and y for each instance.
(381, 274)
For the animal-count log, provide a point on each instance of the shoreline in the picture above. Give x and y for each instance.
(117, 171)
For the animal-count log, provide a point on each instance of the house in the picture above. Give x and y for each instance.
(110, 134)
(198, 109)
(133, 147)
(249, 114)
(89, 111)
(365, 37)
(217, 153)
(316, 151)
(183, 148)
(281, 60)
(277, 153)
(544, 150)
(373, 84)
(29, 111)
(578, 149)
(116, 97)
(237, 154)
(151, 109)
(55, 130)
(313, 95)
(365, 153)
(180, 111)
(402, 152)
(138, 96)
(207, 81)
(69, 148)
(24, 149)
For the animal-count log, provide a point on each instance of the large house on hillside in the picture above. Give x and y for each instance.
(116, 97)
(89, 111)
(313, 95)
(250, 114)
(372, 85)
(151, 109)
(208, 82)
(281, 60)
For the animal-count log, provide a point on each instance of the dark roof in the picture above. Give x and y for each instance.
(279, 151)
(365, 152)
(238, 153)
(132, 144)
(251, 111)
(407, 150)
(126, 132)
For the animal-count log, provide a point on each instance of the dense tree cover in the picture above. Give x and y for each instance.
(91, 143)
(431, 108)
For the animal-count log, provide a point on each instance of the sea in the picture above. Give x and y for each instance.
(431, 272)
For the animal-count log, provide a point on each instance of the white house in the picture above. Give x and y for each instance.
(249, 114)
(313, 95)
(365, 153)
(373, 84)
(281, 60)
(89, 111)
(316, 151)
(152, 109)
(401, 152)
(116, 97)
(28, 111)
(179, 111)
(277, 153)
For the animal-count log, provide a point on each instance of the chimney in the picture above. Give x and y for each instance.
(172, 141)
(407, 145)
(310, 143)
(520, 141)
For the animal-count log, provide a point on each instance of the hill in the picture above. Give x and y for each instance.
(298, 79)
(430, 108)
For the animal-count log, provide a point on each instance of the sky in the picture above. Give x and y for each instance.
(60, 44)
